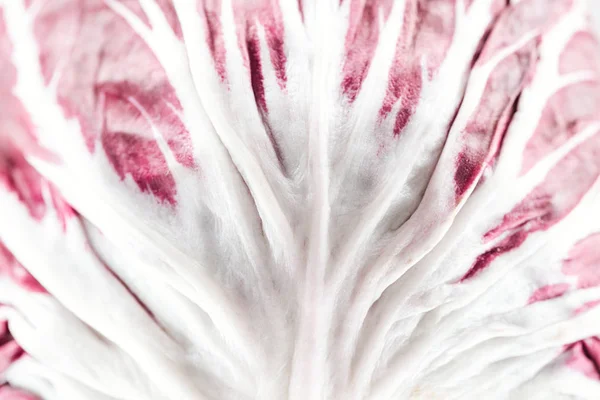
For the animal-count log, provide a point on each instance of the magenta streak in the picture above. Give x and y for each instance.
(585, 357)
(485, 259)
(169, 12)
(256, 75)
(118, 107)
(404, 79)
(142, 159)
(9, 353)
(63, 210)
(274, 36)
(10, 393)
(547, 204)
(467, 170)
(584, 262)
(249, 18)
(130, 153)
(580, 54)
(269, 16)
(487, 125)
(100, 54)
(21, 178)
(587, 306)
(361, 42)
(11, 268)
(548, 292)
(17, 176)
(563, 117)
(215, 41)
(427, 33)
(407, 86)
(517, 20)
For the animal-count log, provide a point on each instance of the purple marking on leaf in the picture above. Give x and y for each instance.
(256, 75)
(141, 159)
(101, 58)
(587, 306)
(118, 107)
(547, 204)
(485, 259)
(17, 176)
(563, 117)
(267, 14)
(584, 262)
(427, 32)
(585, 357)
(580, 54)
(170, 14)
(274, 36)
(467, 169)
(519, 19)
(10, 393)
(9, 353)
(11, 268)
(548, 292)
(487, 125)
(301, 9)
(361, 41)
(214, 35)
(407, 87)
(63, 210)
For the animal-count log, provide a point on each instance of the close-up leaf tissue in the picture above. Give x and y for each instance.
(299, 200)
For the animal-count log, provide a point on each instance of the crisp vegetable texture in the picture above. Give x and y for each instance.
(299, 200)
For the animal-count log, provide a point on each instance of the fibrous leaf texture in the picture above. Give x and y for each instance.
(299, 199)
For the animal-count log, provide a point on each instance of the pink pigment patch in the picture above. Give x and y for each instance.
(586, 307)
(565, 115)
(361, 41)
(518, 20)
(584, 262)
(11, 268)
(426, 34)
(10, 393)
(170, 14)
(433, 31)
(101, 58)
(265, 15)
(274, 36)
(585, 357)
(18, 140)
(485, 259)
(141, 159)
(547, 204)
(406, 87)
(580, 54)
(548, 292)
(211, 9)
(468, 169)
(121, 110)
(17, 176)
(487, 125)
(64, 211)
(9, 353)
(256, 74)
